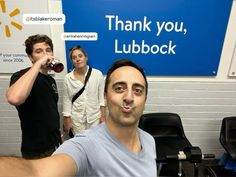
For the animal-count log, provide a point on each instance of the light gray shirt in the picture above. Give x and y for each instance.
(97, 153)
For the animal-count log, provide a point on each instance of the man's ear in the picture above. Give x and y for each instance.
(31, 59)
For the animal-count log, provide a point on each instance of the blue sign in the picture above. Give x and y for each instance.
(170, 37)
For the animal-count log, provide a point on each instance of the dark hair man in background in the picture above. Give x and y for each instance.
(34, 93)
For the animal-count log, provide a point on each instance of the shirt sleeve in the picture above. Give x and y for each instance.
(67, 104)
(101, 91)
(76, 149)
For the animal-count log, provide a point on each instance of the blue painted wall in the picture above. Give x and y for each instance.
(171, 37)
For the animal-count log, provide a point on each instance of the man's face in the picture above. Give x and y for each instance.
(39, 51)
(126, 96)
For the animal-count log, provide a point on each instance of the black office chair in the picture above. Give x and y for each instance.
(228, 141)
(168, 132)
(228, 136)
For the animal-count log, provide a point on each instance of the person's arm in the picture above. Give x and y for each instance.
(101, 98)
(66, 106)
(59, 165)
(20, 90)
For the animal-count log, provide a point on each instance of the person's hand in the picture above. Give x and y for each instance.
(67, 125)
(44, 60)
(102, 119)
(62, 139)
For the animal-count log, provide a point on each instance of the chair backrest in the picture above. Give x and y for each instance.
(169, 136)
(228, 135)
(228, 130)
(162, 124)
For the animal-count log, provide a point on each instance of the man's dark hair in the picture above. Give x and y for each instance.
(38, 38)
(120, 63)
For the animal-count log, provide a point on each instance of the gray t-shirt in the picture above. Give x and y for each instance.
(97, 153)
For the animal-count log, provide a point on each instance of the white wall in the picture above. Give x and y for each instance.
(201, 102)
